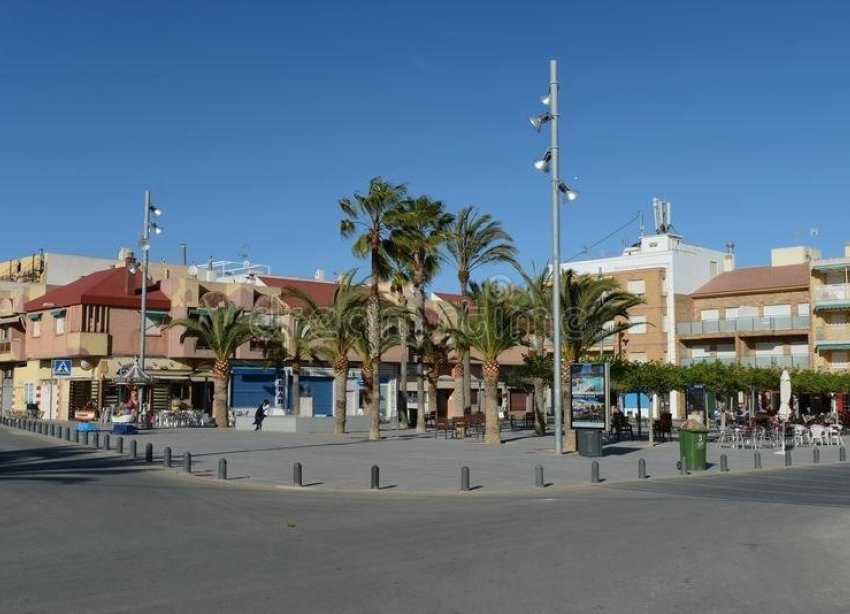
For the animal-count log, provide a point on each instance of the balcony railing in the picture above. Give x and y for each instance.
(833, 332)
(785, 362)
(745, 324)
(832, 293)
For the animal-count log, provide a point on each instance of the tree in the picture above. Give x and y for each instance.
(376, 214)
(420, 231)
(592, 308)
(491, 328)
(335, 331)
(536, 301)
(223, 329)
(474, 240)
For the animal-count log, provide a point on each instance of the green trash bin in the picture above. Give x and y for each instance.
(693, 442)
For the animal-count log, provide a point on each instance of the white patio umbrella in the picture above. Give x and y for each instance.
(784, 395)
(784, 407)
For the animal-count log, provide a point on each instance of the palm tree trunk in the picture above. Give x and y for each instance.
(419, 318)
(371, 407)
(375, 355)
(401, 405)
(539, 405)
(296, 388)
(432, 395)
(457, 374)
(420, 396)
(340, 379)
(221, 377)
(492, 432)
(570, 443)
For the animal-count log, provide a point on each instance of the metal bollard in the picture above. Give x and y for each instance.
(842, 454)
(95, 440)
(76, 436)
(538, 476)
(464, 478)
(119, 445)
(641, 469)
(296, 474)
(376, 475)
(683, 466)
(166, 458)
(148, 452)
(816, 456)
(52, 430)
(107, 444)
(757, 460)
(187, 462)
(133, 448)
(594, 472)
(724, 463)
(85, 438)
(787, 458)
(67, 433)
(222, 469)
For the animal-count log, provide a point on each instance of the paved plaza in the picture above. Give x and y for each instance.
(415, 463)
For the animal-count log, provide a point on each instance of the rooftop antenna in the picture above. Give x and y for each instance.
(640, 214)
(244, 255)
(183, 253)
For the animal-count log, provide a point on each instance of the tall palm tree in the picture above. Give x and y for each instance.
(289, 343)
(375, 214)
(435, 356)
(223, 329)
(419, 234)
(592, 308)
(475, 240)
(335, 331)
(492, 327)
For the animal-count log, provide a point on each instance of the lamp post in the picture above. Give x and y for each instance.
(549, 163)
(149, 227)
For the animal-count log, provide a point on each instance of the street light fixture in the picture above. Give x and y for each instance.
(145, 244)
(549, 163)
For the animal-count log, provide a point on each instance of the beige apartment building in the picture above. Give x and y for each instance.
(830, 288)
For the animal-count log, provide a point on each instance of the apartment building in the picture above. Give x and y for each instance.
(753, 316)
(830, 289)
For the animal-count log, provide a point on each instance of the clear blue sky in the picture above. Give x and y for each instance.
(249, 121)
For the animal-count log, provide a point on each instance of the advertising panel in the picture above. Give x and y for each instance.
(589, 408)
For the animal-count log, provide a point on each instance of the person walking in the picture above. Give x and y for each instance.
(260, 414)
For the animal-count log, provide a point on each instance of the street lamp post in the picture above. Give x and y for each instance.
(550, 162)
(144, 243)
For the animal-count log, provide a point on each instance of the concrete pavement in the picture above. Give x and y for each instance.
(413, 463)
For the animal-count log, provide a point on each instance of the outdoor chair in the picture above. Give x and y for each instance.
(663, 427)
(620, 424)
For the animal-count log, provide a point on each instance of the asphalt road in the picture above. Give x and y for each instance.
(89, 532)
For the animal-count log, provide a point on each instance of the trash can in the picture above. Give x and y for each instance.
(693, 437)
(589, 442)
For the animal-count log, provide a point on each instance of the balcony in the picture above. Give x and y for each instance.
(832, 337)
(731, 327)
(12, 350)
(832, 296)
(87, 344)
(790, 361)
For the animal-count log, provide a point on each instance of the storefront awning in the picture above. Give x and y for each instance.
(832, 346)
(832, 266)
(10, 319)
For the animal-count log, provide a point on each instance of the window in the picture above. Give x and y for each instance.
(803, 309)
(638, 357)
(838, 359)
(768, 348)
(725, 350)
(799, 348)
(29, 392)
(665, 323)
(709, 314)
(700, 351)
(731, 313)
(36, 328)
(637, 286)
(712, 268)
(638, 325)
(59, 325)
(777, 310)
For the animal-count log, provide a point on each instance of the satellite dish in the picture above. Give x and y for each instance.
(85, 365)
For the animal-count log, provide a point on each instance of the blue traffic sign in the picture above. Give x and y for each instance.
(61, 368)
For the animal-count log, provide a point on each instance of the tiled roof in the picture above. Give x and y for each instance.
(757, 279)
(322, 292)
(108, 287)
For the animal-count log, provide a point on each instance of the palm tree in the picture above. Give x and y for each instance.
(420, 231)
(289, 343)
(492, 328)
(592, 308)
(388, 339)
(223, 329)
(376, 213)
(536, 300)
(435, 356)
(335, 331)
(399, 279)
(474, 240)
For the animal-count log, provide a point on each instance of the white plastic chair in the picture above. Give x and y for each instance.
(817, 434)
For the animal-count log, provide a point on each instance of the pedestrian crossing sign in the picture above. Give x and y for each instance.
(61, 368)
